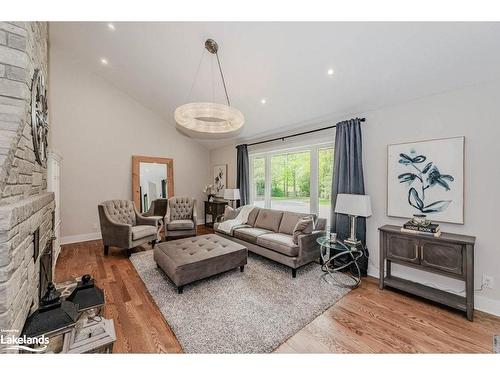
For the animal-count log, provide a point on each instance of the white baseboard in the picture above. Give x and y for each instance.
(481, 303)
(487, 305)
(92, 236)
(80, 238)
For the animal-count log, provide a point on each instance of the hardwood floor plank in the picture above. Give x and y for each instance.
(366, 320)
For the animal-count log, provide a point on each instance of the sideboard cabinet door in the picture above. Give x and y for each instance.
(402, 248)
(447, 257)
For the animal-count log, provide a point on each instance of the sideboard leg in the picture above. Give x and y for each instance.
(469, 282)
(381, 262)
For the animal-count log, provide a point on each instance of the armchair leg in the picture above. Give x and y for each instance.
(129, 253)
(294, 272)
(153, 243)
(106, 250)
(180, 289)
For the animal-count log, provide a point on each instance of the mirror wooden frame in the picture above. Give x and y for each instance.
(136, 162)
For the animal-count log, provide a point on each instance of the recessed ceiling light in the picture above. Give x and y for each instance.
(111, 27)
(330, 72)
(263, 101)
(104, 61)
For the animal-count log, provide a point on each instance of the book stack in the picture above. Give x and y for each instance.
(430, 229)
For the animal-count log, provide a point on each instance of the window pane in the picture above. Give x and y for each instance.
(258, 184)
(290, 180)
(325, 175)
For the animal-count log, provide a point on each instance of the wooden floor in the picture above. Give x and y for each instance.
(367, 320)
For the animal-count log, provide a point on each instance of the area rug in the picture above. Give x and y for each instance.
(240, 312)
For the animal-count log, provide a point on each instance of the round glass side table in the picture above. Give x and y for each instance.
(347, 257)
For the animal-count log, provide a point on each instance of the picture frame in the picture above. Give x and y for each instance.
(220, 180)
(427, 177)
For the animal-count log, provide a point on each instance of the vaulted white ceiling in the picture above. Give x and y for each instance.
(375, 64)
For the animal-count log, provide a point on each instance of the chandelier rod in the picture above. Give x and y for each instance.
(223, 80)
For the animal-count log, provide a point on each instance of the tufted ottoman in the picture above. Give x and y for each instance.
(192, 259)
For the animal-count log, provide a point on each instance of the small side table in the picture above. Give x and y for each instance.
(330, 251)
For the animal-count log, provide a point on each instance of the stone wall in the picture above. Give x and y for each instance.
(25, 204)
(23, 47)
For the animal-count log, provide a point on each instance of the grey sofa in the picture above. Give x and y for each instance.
(123, 226)
(181, 217)
(270, 233)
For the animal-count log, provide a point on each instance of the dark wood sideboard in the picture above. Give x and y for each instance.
(450, 255)
(214, 209)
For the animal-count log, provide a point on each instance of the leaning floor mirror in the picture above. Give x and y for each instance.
(152, 178)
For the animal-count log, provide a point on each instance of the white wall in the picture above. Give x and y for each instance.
(97, 128)
(472, 112)
(224, 155)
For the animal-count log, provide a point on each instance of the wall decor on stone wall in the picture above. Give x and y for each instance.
(39, 117)
(427, 177)
(220, 180)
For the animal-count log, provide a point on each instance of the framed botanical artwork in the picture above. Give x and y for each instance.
(220, 180)
(427, 177)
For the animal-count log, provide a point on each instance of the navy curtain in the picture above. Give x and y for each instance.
(348, 177)
(242, 174)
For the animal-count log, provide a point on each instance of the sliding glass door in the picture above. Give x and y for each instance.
(297, 180)
(325, 175)
(258, 167)
(290, 181)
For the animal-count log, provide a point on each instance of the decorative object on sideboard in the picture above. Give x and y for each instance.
(353, 205)
(232, 195)
(421, 225)
(220, 180)
(426, 177)
(39, 117)
(209, 120)
(208, 191)
(450, 255)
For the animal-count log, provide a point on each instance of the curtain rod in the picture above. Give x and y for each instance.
(297, 134)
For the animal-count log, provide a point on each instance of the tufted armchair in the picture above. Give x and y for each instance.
(123, 226)
(181, 217)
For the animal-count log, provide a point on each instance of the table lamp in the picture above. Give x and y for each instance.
(232, 194)
(353, 205)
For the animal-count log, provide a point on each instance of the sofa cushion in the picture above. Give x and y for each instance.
(252, 216)
(249, 234)
(303, 226)
(280, 242)
(141, 231)
(290, 219)
(269, 219)
(180, 225)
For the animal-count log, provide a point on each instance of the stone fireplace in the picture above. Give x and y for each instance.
(25, 204)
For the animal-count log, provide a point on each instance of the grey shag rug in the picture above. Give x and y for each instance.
(240, 312)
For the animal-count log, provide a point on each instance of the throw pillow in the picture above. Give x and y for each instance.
(230, 213)
(303, 226)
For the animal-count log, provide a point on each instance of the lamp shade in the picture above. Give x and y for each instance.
(353, 204)
(232, 194)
